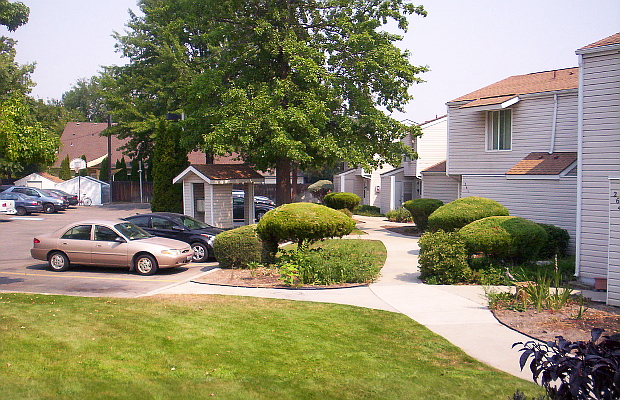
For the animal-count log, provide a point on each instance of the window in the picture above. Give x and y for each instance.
(105, 234)
(80, 232)
(142, 222)
(161, 223)
(499, 130)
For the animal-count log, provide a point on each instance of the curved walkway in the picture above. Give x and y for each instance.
(457, 313)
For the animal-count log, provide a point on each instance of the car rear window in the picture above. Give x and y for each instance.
(79, 232)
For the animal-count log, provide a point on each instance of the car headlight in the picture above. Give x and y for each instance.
(210, 238)
(172, 252)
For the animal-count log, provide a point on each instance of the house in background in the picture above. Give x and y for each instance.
(404, 183)
(437, 185)
(515, 142)
(598, 201)
(389, 187)
(41, 180)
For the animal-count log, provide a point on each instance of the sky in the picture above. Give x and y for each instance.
(466, 44)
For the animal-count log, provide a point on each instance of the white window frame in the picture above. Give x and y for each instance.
(489, 130)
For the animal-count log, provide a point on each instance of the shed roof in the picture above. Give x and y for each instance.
(222, 173)
(538, 82)
(544, 164)
(439, 167)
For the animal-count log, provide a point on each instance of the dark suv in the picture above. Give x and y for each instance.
(180, 227)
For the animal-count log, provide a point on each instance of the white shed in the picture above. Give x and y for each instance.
(98, 191)
(40, 180)
(207, 191)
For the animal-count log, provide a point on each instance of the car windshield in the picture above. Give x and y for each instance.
(131, 231)
(191, 223)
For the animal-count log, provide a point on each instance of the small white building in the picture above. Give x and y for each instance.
(98, 191)
(40, 180)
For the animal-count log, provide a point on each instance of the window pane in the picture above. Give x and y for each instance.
(499, 130)
(80, 232)
(105, 234)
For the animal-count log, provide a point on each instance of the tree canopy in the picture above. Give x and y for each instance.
(284, 83)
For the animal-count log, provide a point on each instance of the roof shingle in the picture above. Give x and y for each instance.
(543, 164)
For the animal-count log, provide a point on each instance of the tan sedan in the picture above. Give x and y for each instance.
(109, 243)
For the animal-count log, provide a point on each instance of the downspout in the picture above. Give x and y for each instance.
(392, 192)
(212, 210)
(555, 120)
(579, 168)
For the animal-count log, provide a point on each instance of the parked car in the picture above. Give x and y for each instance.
(5, 187)
(51, 193)
(257, 199)
(260, 208)
(109, 243)
(51, 204)
(71, 198)
(181, 227)
(23, 204)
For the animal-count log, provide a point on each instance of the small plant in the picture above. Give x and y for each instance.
(575, 370)
(368, 211)
(289, 274)
(399, 215)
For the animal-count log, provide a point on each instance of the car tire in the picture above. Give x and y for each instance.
(201, 252)
(48, 208)
(145, 264)
(21, 211)
(259, 215)
(58, 261)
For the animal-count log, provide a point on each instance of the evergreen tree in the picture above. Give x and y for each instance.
(65, 171)
(135, 168)
(170, 159)
(104, 172)
(121, 166)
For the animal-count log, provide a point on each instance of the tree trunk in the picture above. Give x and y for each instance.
(294, 188)
(283, 181)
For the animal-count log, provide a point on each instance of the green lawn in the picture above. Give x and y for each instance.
(194, 347)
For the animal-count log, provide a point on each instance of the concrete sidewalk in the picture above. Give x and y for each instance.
(457, 313)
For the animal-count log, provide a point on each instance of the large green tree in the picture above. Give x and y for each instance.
(85, 97)
(285, 83)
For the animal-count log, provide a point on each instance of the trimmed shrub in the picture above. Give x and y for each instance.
(347, 212)
(338, 201)
(460, 212)
(320, 189)
(421, 209)
(237, 247)
(303, 223)
(368, 211)
(399, 215)
(504, 237)
(443, 258)
(557, 242)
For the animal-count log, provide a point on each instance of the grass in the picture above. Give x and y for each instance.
(194, 347)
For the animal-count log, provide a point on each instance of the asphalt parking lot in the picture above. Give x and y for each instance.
(21, 273)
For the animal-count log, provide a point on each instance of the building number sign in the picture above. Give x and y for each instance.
(614, 186)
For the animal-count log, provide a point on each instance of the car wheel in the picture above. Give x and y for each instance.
(259, 215)
(48, 208)
(201, 252)
(58, 261)
(145, 264)
(21, 211)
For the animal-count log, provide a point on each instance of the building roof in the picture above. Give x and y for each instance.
(613, 39)
(84, 138)
(222, 173)
(538, 82)
(439, 167)
(51, 177)
(544, 164)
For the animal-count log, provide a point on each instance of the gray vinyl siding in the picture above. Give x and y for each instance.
(431, 146)
(532, 123)
(549, 201)
(440, 187)
(600, 161)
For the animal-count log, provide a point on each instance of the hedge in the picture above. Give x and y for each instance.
(237, 247)
(557, 242)
(443, 258)
(504, 237)
(460, 212)
(338, 201)
(421, 209)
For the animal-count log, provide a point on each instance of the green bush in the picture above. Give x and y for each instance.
(368, 211)
(238, 247)
(399, 215)
(443, 258)
(557, 242)
(460, 212)
(421, 209)
(303, 223)
(338, 201)
(321, 188)
(504, 237)
(347, 212)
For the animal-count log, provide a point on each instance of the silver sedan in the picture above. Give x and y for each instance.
(109, 243)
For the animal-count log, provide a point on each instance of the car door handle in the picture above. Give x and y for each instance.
(98, 245)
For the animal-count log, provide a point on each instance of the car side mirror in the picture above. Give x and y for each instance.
(119, 239)
(178, 228)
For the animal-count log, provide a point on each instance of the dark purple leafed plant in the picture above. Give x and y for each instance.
(576, 370)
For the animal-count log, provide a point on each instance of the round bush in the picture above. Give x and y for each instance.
(238, 247)
(321, 188)
(557, 242)
(303, 223)
(460, 212)
(338, 201)
(443, 258)
(420, 209)
(504, 237)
